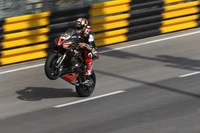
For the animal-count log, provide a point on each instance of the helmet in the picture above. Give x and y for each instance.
(81, 24)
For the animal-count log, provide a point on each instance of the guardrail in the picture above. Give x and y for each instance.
(29, 37)
(23, 38)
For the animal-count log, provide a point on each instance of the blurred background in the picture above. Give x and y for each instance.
(9, 8)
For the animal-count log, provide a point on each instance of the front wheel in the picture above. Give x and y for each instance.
(85, 90)
(51, 70)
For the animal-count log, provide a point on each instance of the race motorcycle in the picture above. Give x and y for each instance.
(66, 61)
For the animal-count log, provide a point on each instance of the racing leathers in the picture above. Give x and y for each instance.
(87, 38)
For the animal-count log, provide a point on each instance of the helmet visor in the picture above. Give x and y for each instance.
(78, 28)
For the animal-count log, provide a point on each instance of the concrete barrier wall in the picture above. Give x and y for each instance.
(29, 37)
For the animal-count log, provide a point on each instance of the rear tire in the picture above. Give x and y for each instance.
(86, 91)
(51, 72)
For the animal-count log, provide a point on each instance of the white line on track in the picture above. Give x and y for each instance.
(189, 74)
(153, 41)
(89, 99)
(114, 49)
(19, 69)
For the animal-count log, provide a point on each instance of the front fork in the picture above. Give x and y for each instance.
(60, 60)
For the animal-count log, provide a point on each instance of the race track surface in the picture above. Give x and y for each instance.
(145, 86)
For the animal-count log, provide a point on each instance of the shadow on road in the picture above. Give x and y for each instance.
(39, 93)
(155, 85)
(172, 61)
(180, 62)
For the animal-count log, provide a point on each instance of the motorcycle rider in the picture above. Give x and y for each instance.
(87, 38)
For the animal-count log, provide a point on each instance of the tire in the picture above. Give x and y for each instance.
(51, 72)
(85, 91)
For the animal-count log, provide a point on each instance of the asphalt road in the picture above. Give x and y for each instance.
(140, 89)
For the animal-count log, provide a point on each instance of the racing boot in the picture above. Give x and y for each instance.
(88, 71)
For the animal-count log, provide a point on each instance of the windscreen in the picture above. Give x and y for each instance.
(69, 33)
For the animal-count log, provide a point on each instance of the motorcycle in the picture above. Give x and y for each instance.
(66, 61)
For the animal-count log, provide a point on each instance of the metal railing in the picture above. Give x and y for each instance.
(9, 8)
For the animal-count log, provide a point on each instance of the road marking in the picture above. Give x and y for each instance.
(113, 49)
(19, 69)
(189, 74)
(88, 99)
(153, 41)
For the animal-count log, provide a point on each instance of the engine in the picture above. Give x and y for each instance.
(76, 64)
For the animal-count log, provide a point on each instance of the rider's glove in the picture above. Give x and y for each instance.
(95, 54)
(82, 45)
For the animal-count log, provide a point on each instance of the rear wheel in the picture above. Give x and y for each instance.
(86, 90)
(51, 70)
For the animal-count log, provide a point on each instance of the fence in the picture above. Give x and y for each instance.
(29, 37)
(24, 7)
